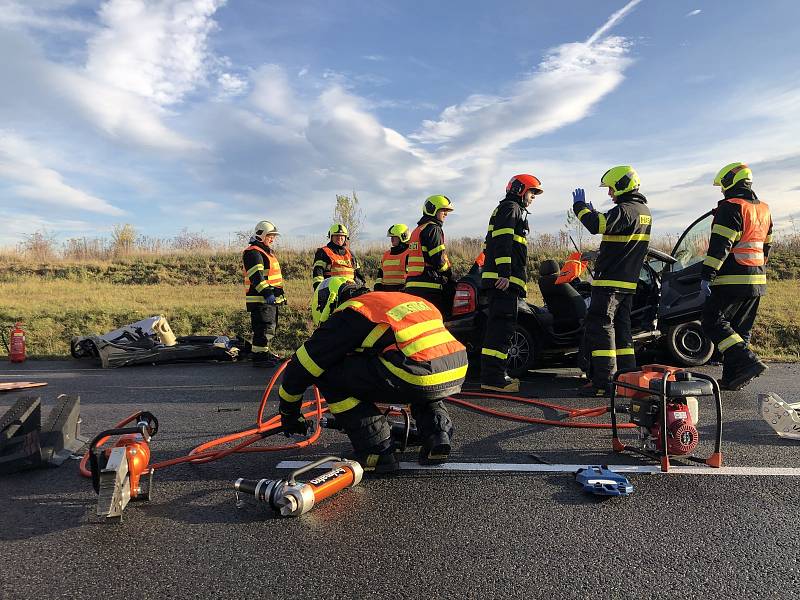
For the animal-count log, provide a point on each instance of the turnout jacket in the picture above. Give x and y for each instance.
(626, 235)
(392, 273)
(741, 236)
(427, 262)
(406, 335)
(506, 247)
(262, 275)
(333, 260)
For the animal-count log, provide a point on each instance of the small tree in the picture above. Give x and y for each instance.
(123, 239)
(39, 245)
(348, 213)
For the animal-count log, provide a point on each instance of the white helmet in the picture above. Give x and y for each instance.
(263, 229)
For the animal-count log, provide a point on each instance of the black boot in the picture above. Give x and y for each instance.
(435, 430)
(743, 376)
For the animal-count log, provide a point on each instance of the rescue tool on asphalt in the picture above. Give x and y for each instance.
(783, 417)
(602, 481)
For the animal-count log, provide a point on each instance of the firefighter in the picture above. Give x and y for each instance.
(335, 259)
(626, 234)
(503, 276)
(263, 284)
(392, 274)
(372, 347)
(734, 274)
(429, 274)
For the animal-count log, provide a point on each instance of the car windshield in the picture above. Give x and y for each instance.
(692, 247)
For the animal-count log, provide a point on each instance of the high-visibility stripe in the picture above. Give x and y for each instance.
(257, 349)
(320, 263)
(392, 262)
(349, 304)
(634, 237)
(425, 380)
(428, 341)
(712, 262)
(254, 299)
(489, 275)
(502, 260)
(252, 270)
(261, 285)
(416, 259)
(503, 231)
(520, 239)
(374, 335)
(625, 351)
(519, 282)
(409, 333)
(319, 278)
(308, 362)
(379, 280)
(343, 405)
(584, 211)
(748, 246)
(277, 277)
(436, 250)
(601, 223)
(414, 269)
(769, 239)
(287, 396)
(626, 285)
(726, 232)
(740, 280)
(423, 284)
(495, 353)
(604, 353)
(729, 341)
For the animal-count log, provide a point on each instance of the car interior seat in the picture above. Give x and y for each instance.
(563, 301)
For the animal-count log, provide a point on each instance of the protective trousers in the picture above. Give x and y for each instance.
(264, 321)
(608, 337)
(727, 321)
(351, 389)
(500, 324)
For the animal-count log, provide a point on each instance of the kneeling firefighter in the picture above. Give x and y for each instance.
(372, 347)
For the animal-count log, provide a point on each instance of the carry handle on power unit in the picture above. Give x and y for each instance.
(670, 389)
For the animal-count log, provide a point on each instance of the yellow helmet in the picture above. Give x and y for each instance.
(338, 229)
(263, 229)
(401, 231)
(433, 204)
(326, 298)
(731, 174)
(621, 179)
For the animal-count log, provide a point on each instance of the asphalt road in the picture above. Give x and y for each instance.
(413, 535)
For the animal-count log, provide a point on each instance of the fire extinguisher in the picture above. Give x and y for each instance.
(16, 351)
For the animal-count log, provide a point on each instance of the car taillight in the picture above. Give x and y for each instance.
(464, 300)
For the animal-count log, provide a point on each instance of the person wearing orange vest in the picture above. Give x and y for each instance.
(734, 275)
(429, 274)
(263, 284)
(369, 347)
(392, 274)
(335, 259)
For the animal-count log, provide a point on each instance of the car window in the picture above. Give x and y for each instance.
(693, 245)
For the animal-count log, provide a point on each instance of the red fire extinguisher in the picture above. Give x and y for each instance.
(16, 351)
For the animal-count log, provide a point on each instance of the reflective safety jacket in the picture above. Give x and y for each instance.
(334, 261)
(392, 274)
(741, 235)
(626, 235)
(404, 333)
(506, 247)
(262, 276)
(427, 262)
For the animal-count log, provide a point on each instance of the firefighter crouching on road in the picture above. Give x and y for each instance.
(503, 275)
(335, 259)
(734, 274)
(392, 274)
(369, 347)
(263, 284)
(626, 235)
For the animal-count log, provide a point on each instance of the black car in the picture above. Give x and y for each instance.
(666, 309)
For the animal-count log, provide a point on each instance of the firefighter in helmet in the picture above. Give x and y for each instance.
(734, 275)
(263, 284)
(335, 259)
(373, 347)
(392, 274)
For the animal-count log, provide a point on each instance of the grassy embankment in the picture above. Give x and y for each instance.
(203, 295)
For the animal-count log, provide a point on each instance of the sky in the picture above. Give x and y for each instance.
(211, 115)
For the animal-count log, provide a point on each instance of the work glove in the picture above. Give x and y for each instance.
(292, 424)
(578, 196)
(270, 299)
(705, 288)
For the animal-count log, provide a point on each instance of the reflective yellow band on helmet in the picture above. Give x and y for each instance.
(729, 341)
(520, 239)
(726, 232)
(343, 405)
(429, 341)
(503, 231)
(502, 260)
(601, 223)
(634, 237)
(604, 353)
(261, 285)
(374, 335)
(625, 351)
(308, 362)
(392, 262)
(409, 333)
(423, 284)
(740, 280)
(287, 396)
(712, 262)
(626, 285)
(436, 250)
(495, 353)
(584, 211)
(425, 380)
(252, 270)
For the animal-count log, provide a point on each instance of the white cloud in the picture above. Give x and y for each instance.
(41, 16)
(694, 13)
(231, 85)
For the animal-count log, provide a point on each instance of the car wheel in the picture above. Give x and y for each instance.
(521, 353)
(688, 345)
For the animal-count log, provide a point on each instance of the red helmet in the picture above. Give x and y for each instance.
(519, 184)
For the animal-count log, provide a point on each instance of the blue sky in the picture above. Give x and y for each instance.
(212, 115)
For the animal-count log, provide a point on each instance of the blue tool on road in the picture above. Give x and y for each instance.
(603, 481)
